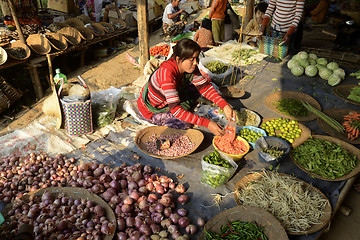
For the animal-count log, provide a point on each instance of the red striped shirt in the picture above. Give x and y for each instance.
(286, 14)
(163, 91)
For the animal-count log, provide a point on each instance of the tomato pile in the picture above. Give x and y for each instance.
(162, 50)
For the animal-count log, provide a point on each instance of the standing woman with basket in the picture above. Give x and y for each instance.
(285, 18)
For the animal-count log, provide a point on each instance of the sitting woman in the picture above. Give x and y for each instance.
(172, 91)
(173, 22)
(204, 36)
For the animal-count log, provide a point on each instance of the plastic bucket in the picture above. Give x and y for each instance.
(275, 143)
(235, 157)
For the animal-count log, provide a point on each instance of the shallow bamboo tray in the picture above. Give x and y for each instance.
(324, 220)
(74, 193)
(143, 135)
(273, 98)
(232, 91)
(343, 91)
(74, 22)
(19, 44)
(272, 227)
(305, 133)
(337, 114)
(3, 56)
(348, 147)
(61, 39)
(39, 44)
(109, 27)
(72, 35)
(85, 33)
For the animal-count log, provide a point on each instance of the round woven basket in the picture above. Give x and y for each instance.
(98, 29)
(57, 41)
(39, 44)
(109, 27)
(3, 56)
(85, 33)
(74, 22)
(119, 23)
(54, 27)
(72, 35)
(16, 47)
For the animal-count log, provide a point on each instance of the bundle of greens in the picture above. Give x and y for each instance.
(354, 94)
(292, 107)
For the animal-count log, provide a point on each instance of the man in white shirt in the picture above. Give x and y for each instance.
(173, 22)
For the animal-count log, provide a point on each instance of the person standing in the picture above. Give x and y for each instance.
(173, 24)
(286, 18)
(217, 16)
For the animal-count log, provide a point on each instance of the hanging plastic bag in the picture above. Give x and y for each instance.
(104, 111)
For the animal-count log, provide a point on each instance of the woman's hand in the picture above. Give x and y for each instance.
(286, 38)
(230, 114)
(215, 128)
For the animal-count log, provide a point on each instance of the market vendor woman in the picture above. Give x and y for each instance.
(172, 90)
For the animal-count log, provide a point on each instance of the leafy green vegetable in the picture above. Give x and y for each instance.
(292, 63)
(324, 158)
(332, 66)
(311, 71)
(291, 107)
(216, 159)
(217, 67)
(354, 94)
(297, 70)
(325, 73)
(322, 61)
(356, 74)
(244, 55)
(334, 79)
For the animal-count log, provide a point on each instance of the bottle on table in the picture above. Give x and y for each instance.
(59, 79)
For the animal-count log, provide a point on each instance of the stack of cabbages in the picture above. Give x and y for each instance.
(312, 65)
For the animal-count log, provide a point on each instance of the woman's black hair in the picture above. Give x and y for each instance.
(185, 48)
(206, 23)
(261, 7)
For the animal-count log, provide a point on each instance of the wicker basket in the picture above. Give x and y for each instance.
(57, 41)
(11, 93)
(85, 33)
(15, 45)
(74, 22)
(39, 44)
(54, 27)
(3, 56)
(97, 29)
(71, 34)
(108, 27)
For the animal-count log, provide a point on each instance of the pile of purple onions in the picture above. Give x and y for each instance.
(58, 218)
(146, 205)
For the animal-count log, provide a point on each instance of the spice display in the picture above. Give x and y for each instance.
(354, 94)
(329, 120)
(295, 205)
(352, 125)
(179, 145)
(17, 52)
(162, 50)
(324, 158)
(238, 230)
(250, 135)
(245, 117)
(58, 217)
(291, 107)
(283, 128)
(217, 67)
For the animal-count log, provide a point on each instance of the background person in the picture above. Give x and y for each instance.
(204, 36)
(172, 91)
(172, 22)
(318, 15)
(286, 17)
(255, 23)
(217, 16)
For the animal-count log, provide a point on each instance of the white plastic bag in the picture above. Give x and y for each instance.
(208, 74)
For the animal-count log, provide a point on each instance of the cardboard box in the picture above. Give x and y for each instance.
(67, 6)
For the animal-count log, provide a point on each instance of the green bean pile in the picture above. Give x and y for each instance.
(239, 230)
(323, 158)
(217, 67)
(275, 152)
(291, 107)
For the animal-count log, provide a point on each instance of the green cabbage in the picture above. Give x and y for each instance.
(332, 66)
(311, 71)
(319, 66)
(297, 71)
(303, 55)
(304, 63)
(322, 61)
(313, 56)
(340, 72)
(334, 79)
(296, 57)
(325, 73)
(312, 62)
(292, 63)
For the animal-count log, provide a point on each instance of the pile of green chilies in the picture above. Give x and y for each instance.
(238, 230)
(329, 120)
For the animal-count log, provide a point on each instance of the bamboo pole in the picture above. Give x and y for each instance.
(143, 31)
(16, 20)
(249, 9)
